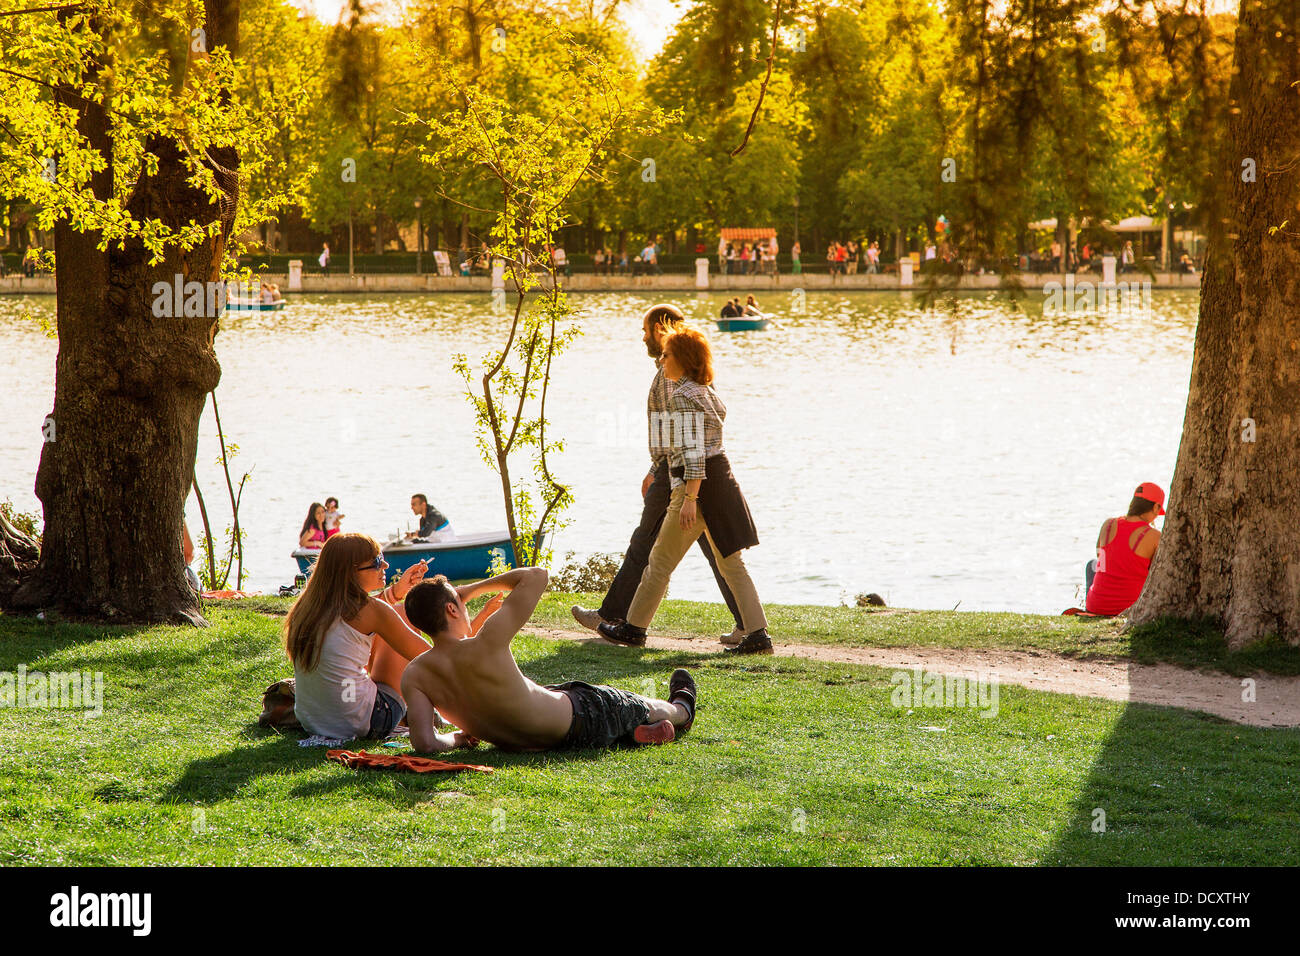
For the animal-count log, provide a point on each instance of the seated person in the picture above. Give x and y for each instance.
(475, 683)
(267, 296)
(345, 682)
(751, 306)
(729, 310)
(312, 535)
(434, 525)
(1125, 547)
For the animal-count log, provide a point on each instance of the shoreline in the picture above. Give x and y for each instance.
(674, 282)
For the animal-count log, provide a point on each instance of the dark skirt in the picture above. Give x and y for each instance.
(723, 507)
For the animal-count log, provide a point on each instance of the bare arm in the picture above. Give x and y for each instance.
(502, 582)
(502, 626)
(379, 617)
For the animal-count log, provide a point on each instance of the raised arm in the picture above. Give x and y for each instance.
(502, 626)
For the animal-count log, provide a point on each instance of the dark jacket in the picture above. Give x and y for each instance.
(723, 507)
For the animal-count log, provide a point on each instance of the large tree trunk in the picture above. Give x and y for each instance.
(129, 390)
(1231, 545)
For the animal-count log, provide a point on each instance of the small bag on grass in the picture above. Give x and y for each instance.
(277, 706)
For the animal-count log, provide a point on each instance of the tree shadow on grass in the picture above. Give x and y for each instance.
(25, 639)
(1182, 788)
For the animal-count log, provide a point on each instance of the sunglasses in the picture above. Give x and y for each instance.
(374, 565)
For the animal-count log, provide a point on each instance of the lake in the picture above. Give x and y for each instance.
(960, 457)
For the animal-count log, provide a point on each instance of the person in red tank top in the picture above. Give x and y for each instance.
(1125, 547)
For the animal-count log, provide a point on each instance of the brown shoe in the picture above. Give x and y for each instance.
(585, 616)
(622, 633)
(756, 643)
(735, 637)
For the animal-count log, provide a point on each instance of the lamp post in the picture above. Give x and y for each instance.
(419, 235)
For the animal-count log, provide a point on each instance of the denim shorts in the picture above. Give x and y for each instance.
(602, 716)
(389, 709)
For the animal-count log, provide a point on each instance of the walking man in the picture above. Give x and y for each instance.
(655, 491)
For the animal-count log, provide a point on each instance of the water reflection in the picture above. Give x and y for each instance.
(962, 454)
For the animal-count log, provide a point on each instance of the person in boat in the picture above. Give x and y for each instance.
(706, 500)
(1125, 547)
(658, 322)
(434, 525)
(312, 536)
(751, 306)
(729, 310)
(267, 296)
(348, 648)
(470, 676)
(276, 294)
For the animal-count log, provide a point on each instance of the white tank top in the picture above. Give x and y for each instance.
(337, 698)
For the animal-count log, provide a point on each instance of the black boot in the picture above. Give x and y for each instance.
(623, 633)
(756, 643)
(682, 690)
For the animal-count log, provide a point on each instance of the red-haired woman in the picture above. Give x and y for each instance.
(705, 500)
(346, 682)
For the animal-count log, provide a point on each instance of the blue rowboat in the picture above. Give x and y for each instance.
(462, 557)
(746, 323)
(235, 305)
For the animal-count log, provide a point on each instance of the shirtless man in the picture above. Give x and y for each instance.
(472, 679)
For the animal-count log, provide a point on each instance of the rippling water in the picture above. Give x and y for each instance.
(962, 456)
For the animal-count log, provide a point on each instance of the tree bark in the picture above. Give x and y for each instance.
(1230, 550)
(129, 390)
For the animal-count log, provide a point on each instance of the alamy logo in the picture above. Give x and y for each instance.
(134, 910)
(921, 689)
(1132, 298)
(688, 427)
(54, 691)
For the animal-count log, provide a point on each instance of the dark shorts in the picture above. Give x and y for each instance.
(602, 716)
(389, 709)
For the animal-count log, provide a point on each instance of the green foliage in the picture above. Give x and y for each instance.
(28, 523)
(594, 576)
(531, 149)
(157, 78)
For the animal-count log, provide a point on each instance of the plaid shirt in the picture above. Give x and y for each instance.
(656, 407)
(696, 414)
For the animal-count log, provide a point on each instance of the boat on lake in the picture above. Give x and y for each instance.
(744, 323)
(239, 305)
(460, 557)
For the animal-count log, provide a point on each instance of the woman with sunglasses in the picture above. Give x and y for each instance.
(346, 681)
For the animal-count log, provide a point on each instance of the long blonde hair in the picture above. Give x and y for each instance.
(332, 592)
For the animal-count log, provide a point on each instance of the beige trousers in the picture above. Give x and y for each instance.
(669, 549)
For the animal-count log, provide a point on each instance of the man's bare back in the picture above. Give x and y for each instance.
(471, 678)
(478, 687)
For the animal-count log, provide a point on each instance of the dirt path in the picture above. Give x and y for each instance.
(1276, 704)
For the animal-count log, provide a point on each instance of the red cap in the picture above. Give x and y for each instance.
(1151, 492)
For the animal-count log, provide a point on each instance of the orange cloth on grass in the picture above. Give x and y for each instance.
(358, 761)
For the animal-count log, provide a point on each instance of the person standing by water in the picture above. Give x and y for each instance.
(705, 500)
(796, 266)
(658, 322)
(1125, 547)
(325, 259)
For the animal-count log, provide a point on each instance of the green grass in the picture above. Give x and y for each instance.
(1195, 644)
(790, 762)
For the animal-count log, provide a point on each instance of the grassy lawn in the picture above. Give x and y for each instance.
(1174, 642)
(790, 762)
